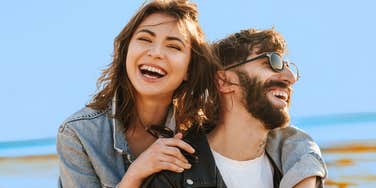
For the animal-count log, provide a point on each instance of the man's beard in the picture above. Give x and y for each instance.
(257, 103)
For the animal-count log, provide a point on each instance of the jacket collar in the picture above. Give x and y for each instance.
(120, 142)
(203, 171)
(273, 149)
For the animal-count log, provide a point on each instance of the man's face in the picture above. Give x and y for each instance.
(257, 103)
(266, 93)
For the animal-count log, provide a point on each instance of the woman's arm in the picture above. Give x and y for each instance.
(163, 154)
(75, 167)
(309, 182)
(297, 156)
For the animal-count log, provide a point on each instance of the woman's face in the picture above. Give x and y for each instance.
(158, 56)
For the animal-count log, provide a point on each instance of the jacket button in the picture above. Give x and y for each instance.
(189, 181)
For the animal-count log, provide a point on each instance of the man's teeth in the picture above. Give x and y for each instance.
(280, 94)
(153, 69)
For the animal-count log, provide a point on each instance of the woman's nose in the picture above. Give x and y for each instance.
(155, 51)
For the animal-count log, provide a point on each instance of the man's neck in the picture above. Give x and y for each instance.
(238, 136)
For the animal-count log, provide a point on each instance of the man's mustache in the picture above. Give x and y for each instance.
(275, 83)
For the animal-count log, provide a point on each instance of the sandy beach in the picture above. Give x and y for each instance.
(351, 165)
(29, 171)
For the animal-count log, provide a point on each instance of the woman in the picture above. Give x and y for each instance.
(159, 56)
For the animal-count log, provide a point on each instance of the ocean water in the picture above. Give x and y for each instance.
(348, 143)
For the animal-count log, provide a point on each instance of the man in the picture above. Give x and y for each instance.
(251, 145)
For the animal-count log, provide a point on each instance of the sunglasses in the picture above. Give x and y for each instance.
(164, 132)
(160, 131)
(275, 61)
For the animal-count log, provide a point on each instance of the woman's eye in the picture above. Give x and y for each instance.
(175, 47)
(144, 39)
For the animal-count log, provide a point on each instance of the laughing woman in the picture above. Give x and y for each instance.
(159, 57)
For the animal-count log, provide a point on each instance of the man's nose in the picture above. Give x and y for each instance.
(287, 75)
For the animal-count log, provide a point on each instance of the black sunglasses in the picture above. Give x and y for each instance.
(164, 132)
(275, 61)
(160, 131)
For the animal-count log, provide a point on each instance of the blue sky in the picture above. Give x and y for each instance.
(52, 52)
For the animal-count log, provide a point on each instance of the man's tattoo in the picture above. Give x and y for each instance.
(261, 148)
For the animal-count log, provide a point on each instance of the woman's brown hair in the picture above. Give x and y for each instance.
(190, 97)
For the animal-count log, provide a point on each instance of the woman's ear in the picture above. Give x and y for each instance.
(225, 81)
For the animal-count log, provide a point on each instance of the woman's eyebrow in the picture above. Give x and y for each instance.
(176, 39)
(170, 38)
(146, 31)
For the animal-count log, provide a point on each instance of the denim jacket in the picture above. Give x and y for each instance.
(93, 151)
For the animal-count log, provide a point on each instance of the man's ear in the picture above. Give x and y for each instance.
(220, 78)
(226, 81)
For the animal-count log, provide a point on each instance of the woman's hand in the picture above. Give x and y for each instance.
(163, 154)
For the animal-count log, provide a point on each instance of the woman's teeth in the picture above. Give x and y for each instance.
(152, 72)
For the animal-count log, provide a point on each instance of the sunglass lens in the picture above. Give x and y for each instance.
(294, 69)
(276, 62)
(161, 131)
(167, 133)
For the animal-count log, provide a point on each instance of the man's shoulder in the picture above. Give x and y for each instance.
(290, 140)
(295, 154)
(288, 134)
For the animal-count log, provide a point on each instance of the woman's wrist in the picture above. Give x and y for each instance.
(130, 180)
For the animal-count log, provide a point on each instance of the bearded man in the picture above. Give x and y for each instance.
(251, 144)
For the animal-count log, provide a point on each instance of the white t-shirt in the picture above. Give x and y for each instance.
(238, 174)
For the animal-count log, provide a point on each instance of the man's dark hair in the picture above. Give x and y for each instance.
(238, 46)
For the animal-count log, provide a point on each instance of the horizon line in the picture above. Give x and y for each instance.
(343, 118)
